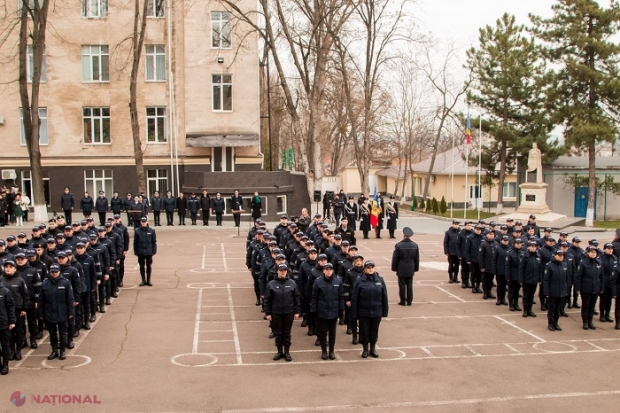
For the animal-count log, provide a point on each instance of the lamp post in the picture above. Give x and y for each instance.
(414, 177)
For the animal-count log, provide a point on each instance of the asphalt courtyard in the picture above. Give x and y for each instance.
(195, 342)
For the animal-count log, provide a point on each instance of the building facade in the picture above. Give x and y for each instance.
(198, 99)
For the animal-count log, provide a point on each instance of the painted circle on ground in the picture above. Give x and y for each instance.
(554, 347)
(203, 270)
(131, 287)
(200, 286)
(68, 363)
(429, 282)
(194, 360)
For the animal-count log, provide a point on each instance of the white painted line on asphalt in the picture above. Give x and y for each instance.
(392, 405)
(197, 323)
(510, 323)
(511, 348)
(450, 294)
(224, 258)
(427, 351)
(204, 257)
(474, 352)
(595, 346)
(216, 341)
(234, 326)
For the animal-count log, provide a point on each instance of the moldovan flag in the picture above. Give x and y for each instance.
(468, 131)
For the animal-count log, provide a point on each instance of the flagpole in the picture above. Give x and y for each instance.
(467, 142)
(479, 165)
(452, 190)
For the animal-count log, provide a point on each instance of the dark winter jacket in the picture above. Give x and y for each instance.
(116, 205)
(56, 300)
(472, 245)
(511, 269)
(487, 255)
(590, 278)
(501, 253)
(7, 308)
(101, 204)
(406, 258)
(67, 201)
(369, 297)
(530, 270)
(169, 203)
(282, 297)
(18, 288)
(193, 204)
(145, 241)
(452, 242)
(327, 298)
(87, 204)
(32, 279)
(608, 262)
(181, 205)
(349, 279)
(218, 205)
(157, 203)
(89, 271)
(555, 282)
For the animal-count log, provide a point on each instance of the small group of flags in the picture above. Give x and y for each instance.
(468, 131)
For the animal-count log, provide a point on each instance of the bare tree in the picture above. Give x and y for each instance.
(32, 25)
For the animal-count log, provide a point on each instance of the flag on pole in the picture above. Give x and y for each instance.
(375, 196)
(375, 210)
(468, 131)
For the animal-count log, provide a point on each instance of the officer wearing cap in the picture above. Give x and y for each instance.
(33, 284)
(236, 207)
(463, 234)
(530, 274)
(100, 255)
(589, 282)
(36, 236)
(554, 288)
(351, 275)
(369, 303)
(487, 255)
(19, 291)
(406, 262)
(124, 234)
(327, 303)
(307, 261)
(609, 262)
(282, 306)
(281, 229)
(101, 205)
(72, 275)
(7, 324)
(531, 222)
(472, 245)
(4, 255)
(452, 247)
(351, 210)
(11, 245)
(89, 285)
(67, 202)
(578, 253)
(571, 268)
(391, 212)
(145, 247)
(315, 273)
(513, 257)
(500, 269)
(56, 308)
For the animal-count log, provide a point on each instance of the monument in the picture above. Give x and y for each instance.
(534, 194)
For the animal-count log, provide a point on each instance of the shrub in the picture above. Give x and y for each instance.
(442, 206)
(414, 206)
(435, 206)
(422, 205)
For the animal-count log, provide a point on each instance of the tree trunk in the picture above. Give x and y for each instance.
(591, 183)
(502, 177)
(30, 106)
(139, 28)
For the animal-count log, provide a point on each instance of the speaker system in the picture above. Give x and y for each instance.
(330, 195)
(317, 196)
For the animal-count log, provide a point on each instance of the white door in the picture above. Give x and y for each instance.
(475, 196)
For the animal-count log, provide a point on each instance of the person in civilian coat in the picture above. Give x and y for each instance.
(181, 208)
(589, 282)
(257, 206)
(169, 204)
(67, 202)
(157, 204)
(56, 308)
(326, 304)
(369, 303)
(554, 287)
(101, 205)
(135, 211)
(205, 205)
(87, 204)
(218, 206)
(406, 262)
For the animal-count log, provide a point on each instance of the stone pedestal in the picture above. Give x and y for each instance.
(533, 198)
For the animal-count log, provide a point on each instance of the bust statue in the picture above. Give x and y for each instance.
(534, 162)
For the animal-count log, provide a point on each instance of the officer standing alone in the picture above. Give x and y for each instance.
(144, 247)
(406, 262)
(56, 309)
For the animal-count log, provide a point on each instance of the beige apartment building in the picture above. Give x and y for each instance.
(198, 99)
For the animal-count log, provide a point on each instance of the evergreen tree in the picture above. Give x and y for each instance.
(435, 206)
(509, 87)
(584, 93)
(443, 207)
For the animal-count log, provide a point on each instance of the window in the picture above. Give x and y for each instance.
(156, 125)
(155, 8)
(95, 64)
(96, 180)
(27, 187)
(222, 159)
(155, 62)
(95, 9)
(220, 30)
(156, 180)
(96, 125)
(222, 92)
(43, 137)
(510, 190)
(30, 65)
(281, 204)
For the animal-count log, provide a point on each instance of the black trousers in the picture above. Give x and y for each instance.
(121, 268)
(170, 217)
(85, 309)
(324, 327)
(281, 325)
(513, 290)
(156, 217)
(405, 289)
(327, 213)
(352, 223)
(68, 216)
(145, 262)
(528, 293)
(31, 316)
(17, 333)
(554, 304)
(501, 286)
(588, 304)
(255, 278)
(101, 218)
(617, 310)
(58, 335)
(453, 265)
(101, 291)
(182, 218)
(605, 303)
(369, 329)
(464, 272)
(129, 220)
(218, 218)
(93, 300)
(487, 282)
(87, 214)
(205, 216)
(5, 343)
(474, 269)
(237, 219)
(337, 216)
(352, 324)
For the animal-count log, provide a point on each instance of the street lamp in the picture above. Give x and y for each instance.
(413, 179)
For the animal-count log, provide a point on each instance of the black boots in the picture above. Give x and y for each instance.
(53, 354)
(450, 278)
(617, 324)
(279, 355)
(101, 308)
(287, 354)
(373, 352)
(4, 370)
(324, 353)
(575, 303)
(33, 343)
(527, 311)
(365, 350)
(143, 283)
(61, 354)
(304, 321)
(516, 304)
(591, 325)
(355, 339)
(148, 280)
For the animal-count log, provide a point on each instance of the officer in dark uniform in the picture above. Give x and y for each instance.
(531, 222)
(472, 245)
(19, 291)
(351, 275)
(205, 205)
(452, 247)
(578, 253)
(338, 206)
(327, 303)
(571, 268)
(305, 271)
(609, 262)
(193, 206)
(351, 210)
(546, 254)
(616, 288)
(486, 257)
(589, 282)
(554, 288)
(169, 205)
(33, 284)
(406, 262)
(315, 273)
(465, 232)
(500, 269)
(236, 205)
(391, 212)
(513, 257)
(56, 309)
(369, 303)
(530, 274)
(145, 247)
(7, 323)
(72, 275)
(157, 204)
(89, 283)
(346, 231)
(282, 306)
(281, 228)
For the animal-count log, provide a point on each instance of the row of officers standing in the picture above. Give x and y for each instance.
(512, 259)
(320, 276)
